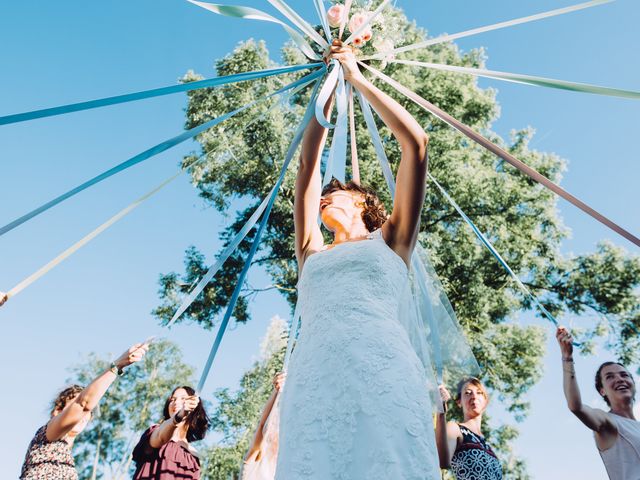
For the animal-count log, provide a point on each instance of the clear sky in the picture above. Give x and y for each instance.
(99, 300)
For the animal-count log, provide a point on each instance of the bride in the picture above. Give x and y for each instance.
(356, 404)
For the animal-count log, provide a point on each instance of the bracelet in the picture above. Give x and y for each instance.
(113, 368)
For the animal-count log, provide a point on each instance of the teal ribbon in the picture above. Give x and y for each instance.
(161, 147)
(336, 162)
(419, 271)
(254, 247)
(156, 92)
(485, 241)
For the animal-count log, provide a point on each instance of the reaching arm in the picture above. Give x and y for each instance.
(308, 189)
(164, 432)
(594, 418)
(401, 230)
(446, 433)
(256, 444)
(88, 399)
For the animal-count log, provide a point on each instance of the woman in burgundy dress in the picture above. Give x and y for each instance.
(164, 451)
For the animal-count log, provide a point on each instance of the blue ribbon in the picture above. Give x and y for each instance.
(161, 147)
(156, 92)
(336, 162)
(254, 247)
(415, 261)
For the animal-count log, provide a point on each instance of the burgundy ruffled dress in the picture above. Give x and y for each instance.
(172, 461)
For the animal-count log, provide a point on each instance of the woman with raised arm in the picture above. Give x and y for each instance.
(616, 432)
(49, 454)
(164, 451)
(462, 446)
(355, 404)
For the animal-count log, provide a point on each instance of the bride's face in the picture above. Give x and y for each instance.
(340, 209)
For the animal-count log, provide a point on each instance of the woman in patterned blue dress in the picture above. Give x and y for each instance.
(461, 446)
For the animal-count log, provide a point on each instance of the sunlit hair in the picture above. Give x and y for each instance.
(473, 381)
(64, 397)
(197, 422)
(373, 214)
(600, 385)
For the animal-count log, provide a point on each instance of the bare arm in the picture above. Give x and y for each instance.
(594, 418)
(446, 433)
(256, 444)
(401, 230)
(164, 432)
(88, 399)
(308, 189)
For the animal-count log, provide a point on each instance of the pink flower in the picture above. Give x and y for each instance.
(335, 15)
(356, 21)
(358, 41)
(367, 34)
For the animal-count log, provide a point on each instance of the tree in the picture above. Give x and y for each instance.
(519, 216)
(131, 404)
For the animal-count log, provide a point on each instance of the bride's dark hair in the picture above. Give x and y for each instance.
(373, 213)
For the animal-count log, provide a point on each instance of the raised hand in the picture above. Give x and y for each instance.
(347, 58)
(278, 381)
(3, 298)
(565, 340)
(132, 355)
(188, 405)
(445, 396)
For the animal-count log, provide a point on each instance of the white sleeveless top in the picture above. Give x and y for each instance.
(622, 460)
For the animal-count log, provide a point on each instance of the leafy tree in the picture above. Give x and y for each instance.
(131, 404)
(519, 216)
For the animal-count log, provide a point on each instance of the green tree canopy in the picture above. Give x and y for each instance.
(519, 216)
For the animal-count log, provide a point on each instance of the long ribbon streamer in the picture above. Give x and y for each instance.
(355, 166)
(325, 92)
(485, 241)
(81, 243)
(156, 92)
(299, 22)
(415, 262)
(367, 22)
(527, 79)
(236, 293)
(524, 168)
(293, 335)
(322, 14)
(488, 28)
(336, 163)
(254, 14)
(161, 147)
(345, 16)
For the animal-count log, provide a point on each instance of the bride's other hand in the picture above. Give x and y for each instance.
(347, 58)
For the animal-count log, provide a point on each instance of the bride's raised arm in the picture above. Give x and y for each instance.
(401, 230)
(308, 190)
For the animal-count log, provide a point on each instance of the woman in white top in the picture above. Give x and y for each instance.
(616, 432)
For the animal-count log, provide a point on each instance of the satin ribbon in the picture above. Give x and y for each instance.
(293, 336)
(527, 79)
(488, 28)
(161, 147)
(254, 14)
(367, 22)
(324, 21)
(416, 266)
(336, 162)
(343, 21)
(254, 247)
(497, 255)
(524, 168)
(355, 167)
(91, 236)
(299, 22)
(330, 84)
(156, 92)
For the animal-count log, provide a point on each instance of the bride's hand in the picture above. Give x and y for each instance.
(347, 58)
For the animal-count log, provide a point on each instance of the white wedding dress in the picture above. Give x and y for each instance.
(355, 405)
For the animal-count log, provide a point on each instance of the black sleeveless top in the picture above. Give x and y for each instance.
(474, 459)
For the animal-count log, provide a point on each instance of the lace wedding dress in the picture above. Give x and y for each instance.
(355, 405)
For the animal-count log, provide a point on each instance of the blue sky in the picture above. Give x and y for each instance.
(99, 300)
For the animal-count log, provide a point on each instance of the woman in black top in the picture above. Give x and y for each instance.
(461, 446)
